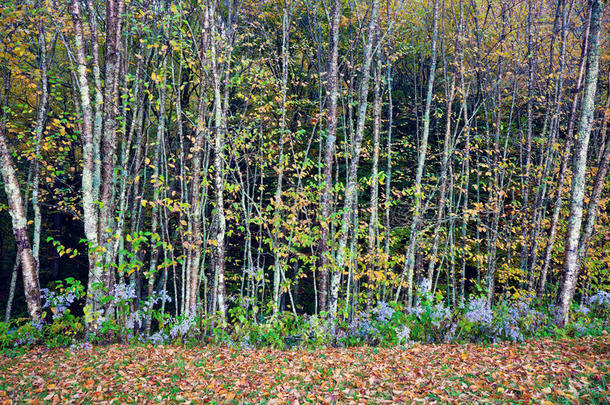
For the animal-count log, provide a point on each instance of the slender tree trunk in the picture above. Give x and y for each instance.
(278, 261)
(443, 186)
(388, 178)
(526, 182)
(17, 264)
(374, 200)
(19, 222)
(154, 256)
(497, 199)
(409, 266)
(466, 152)
(598, 188)
(98, 105)
(352, 178)
(112, 58)
(570, 267)
(548, 253)
(219, 177)
(18, 215)
(196, 244)
(332, 81)
(127, 183)
(41, 118)
(554, 111)
(90, 215)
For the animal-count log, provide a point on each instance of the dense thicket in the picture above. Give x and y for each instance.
(304, 156)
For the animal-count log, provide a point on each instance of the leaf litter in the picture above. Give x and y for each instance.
(537, 371)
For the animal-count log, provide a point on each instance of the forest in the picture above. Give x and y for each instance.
(218, 175)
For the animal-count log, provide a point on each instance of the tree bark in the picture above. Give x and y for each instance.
(278, 261)
(90, 214)
(41, 119)
(352, 177)
(598, 188)
(332, 80)
(374, 200)
(196, 244)
(570, 267)
(160, 139)
(18, 216)
(548, 252)
(421, 161)
(112, 58)
(443, 186)
(219, 179)
(466, 156)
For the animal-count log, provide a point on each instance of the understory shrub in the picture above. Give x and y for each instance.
(127, 319)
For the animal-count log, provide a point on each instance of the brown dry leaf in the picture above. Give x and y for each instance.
(421, 373)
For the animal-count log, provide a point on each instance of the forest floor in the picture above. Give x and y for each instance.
(538, 371)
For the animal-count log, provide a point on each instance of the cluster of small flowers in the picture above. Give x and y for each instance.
(161, 296)
(520, 315)
(601, 299)
(38, 324)
(523, 310)
(383, 312)
(25, 340)
(439, 314)
(450, 332)
(511, 331)
(583, 310)
(361, 325)
(84, 346)
(124, 292)
(9, 333)
(134, 320)
(158, 338)
(554, 311)
(59, 302)
(416, 310)
(245, 344)
(183, 327)
(251, 271)
(580, 329)
(479, 312)
(154, 298)
(403, 334)
(424, 290)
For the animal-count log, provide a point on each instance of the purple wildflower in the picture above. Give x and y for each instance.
(601, 299)
(403, 334)
(124, 292)
(158, 338)
(383, 312)
(479, 312)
